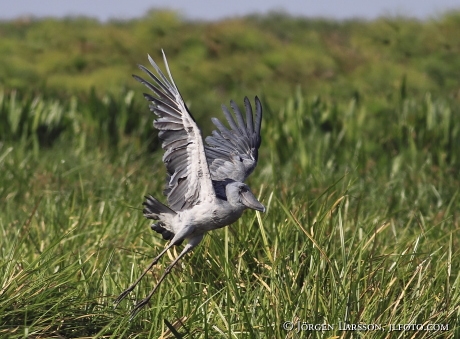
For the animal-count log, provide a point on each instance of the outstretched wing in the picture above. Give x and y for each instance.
(232, 153)
(188, 181)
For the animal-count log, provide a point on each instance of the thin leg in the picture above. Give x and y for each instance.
(190, 245)
(179, 237)
(130, 288)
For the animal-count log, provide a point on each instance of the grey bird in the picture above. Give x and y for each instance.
(205, 183)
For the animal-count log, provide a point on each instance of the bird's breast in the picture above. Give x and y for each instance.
(226, 214)
(210, 216)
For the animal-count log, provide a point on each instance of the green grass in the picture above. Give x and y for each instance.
(269, 54)
(362, 224)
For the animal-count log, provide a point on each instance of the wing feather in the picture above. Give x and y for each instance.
(233, 153)
(249, 120)
(229, 118)
(188, 179)
(239, 118)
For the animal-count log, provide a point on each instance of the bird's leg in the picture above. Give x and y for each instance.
(130, 288)
(190, 245)
(178, 238)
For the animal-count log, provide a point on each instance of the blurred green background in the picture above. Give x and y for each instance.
(269, 55)
(82, 60)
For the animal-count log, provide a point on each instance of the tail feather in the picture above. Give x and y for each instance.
(153, 210)
(158, 227)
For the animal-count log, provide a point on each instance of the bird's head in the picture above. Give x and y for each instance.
(239, 194)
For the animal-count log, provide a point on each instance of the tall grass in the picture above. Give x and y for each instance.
(362, 224)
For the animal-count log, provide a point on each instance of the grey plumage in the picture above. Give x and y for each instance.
(205, 183)
(233, 154)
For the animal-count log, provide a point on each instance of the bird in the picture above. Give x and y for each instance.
(205, 186)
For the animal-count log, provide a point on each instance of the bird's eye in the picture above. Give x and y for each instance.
(243, 189)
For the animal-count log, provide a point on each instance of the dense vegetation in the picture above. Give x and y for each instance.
(269, 55)
(359, 168)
